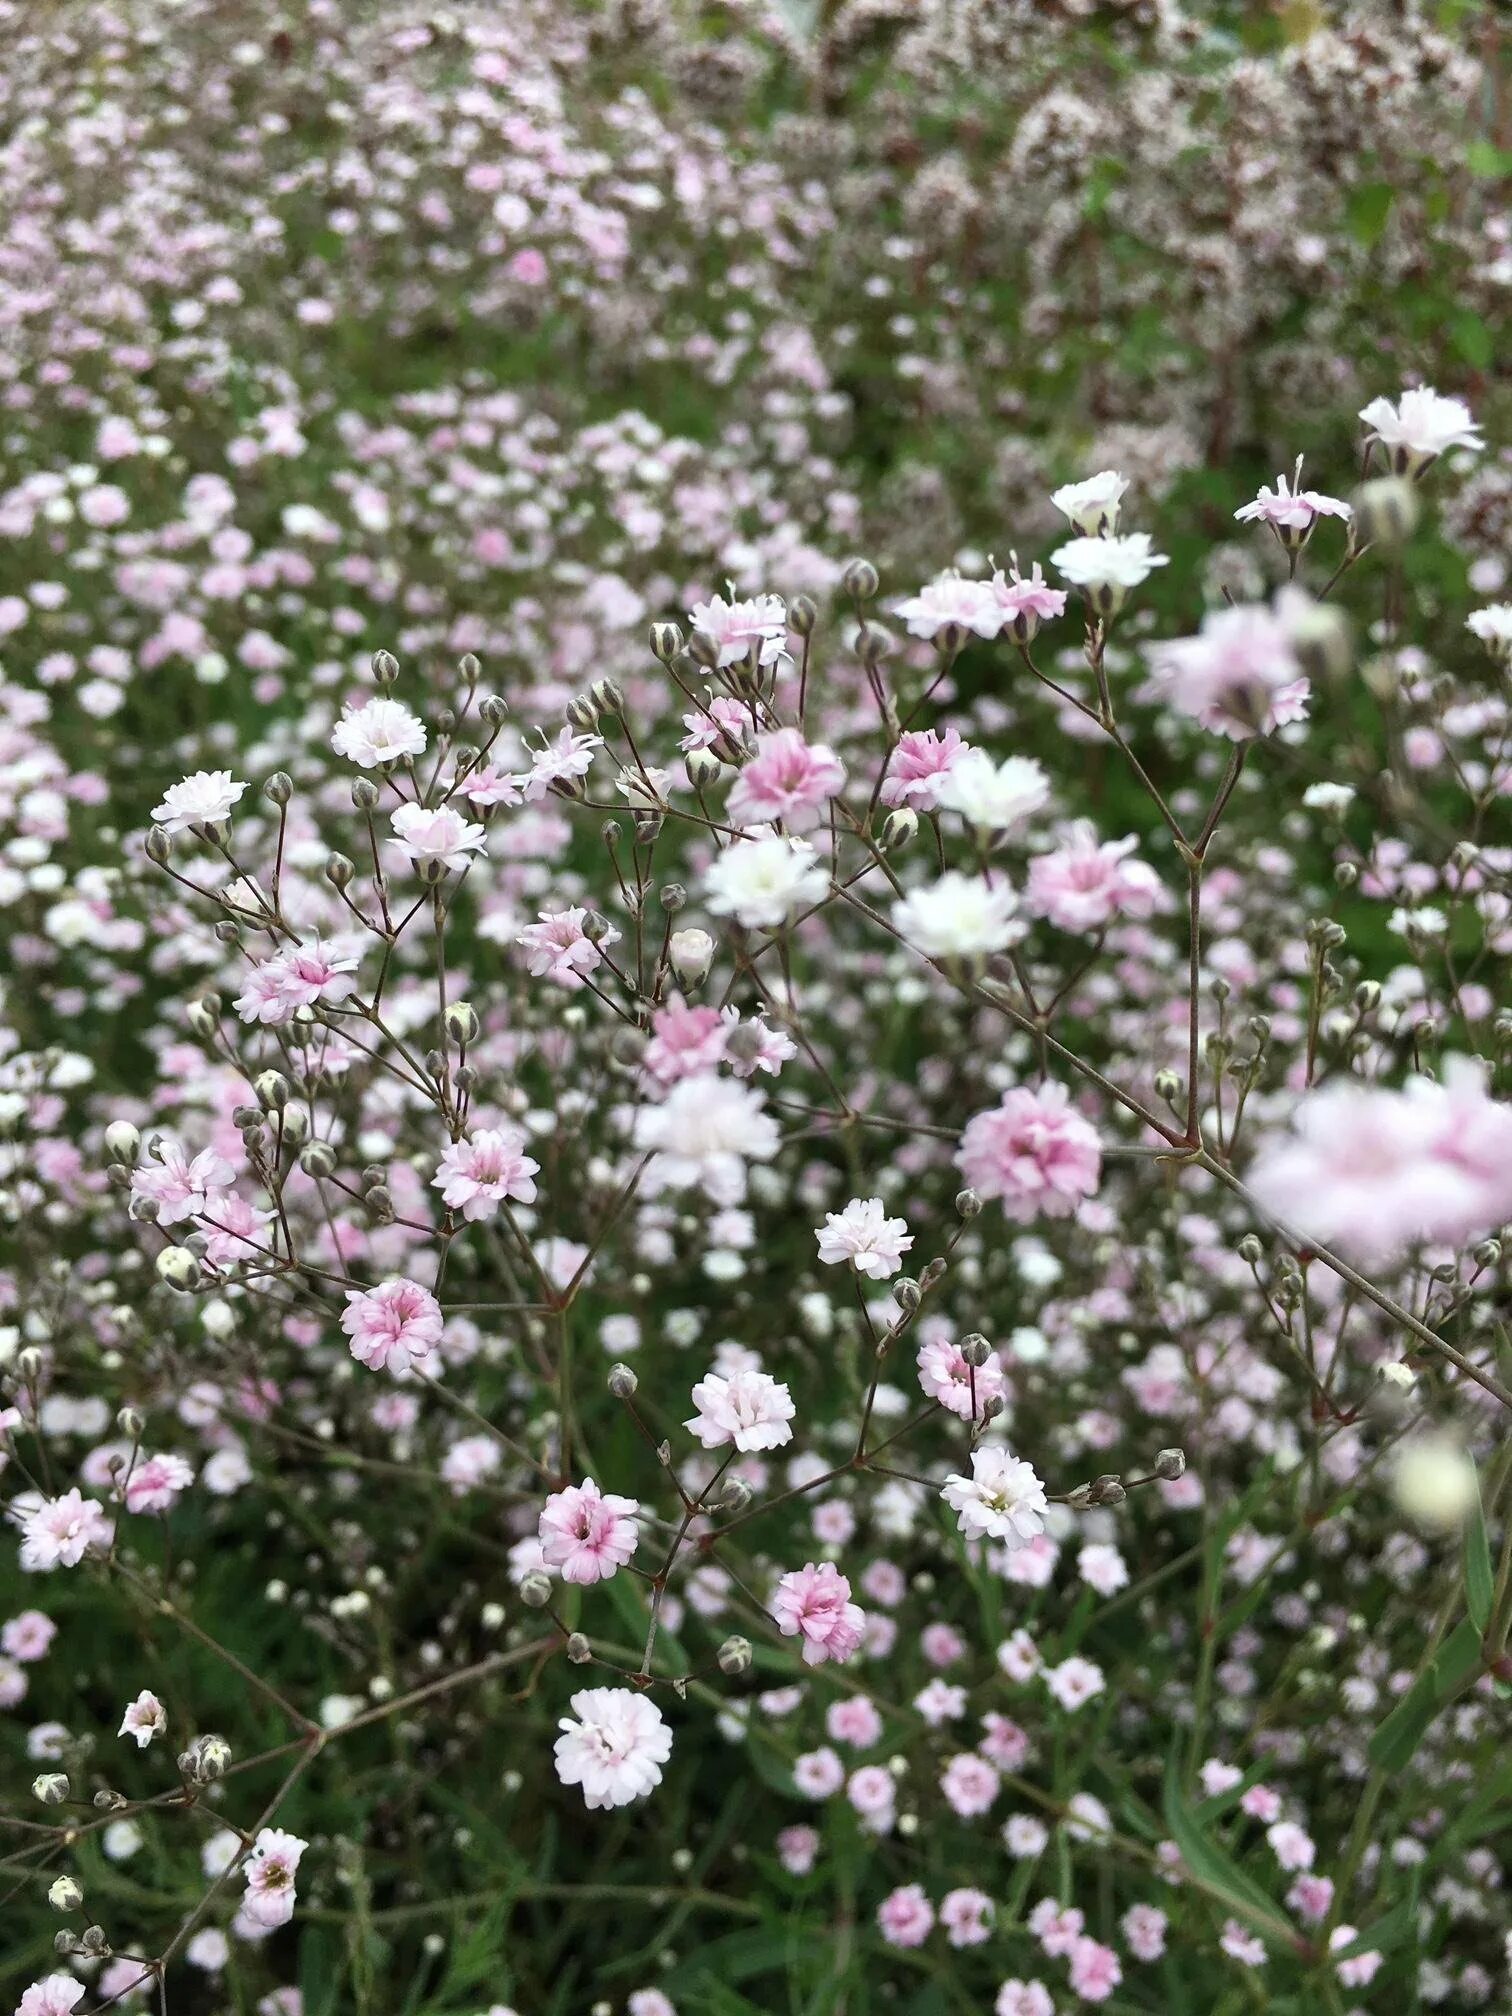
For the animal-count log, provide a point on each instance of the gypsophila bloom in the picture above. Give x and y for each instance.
(1420, 427)
(615, 1748)
(1092, 505)
(276, 988)
(748, 1410)
(479, 1174)
(762, 881)
(558, 947)
(1074, 1682)
(1238, 676)
(1290, 511)
(1109, 565)
(54, 1996)
(864, 1235)
(787, 779)
(59, 1532)
(905, 1917)
(1087, 883)
(918, 765)
(959, 917)
(1493, 626)
(381, 731)
(204, 799)
(1358, 1969)
(1002, 1499)
(144, 1719)
(270, 1871)
(814, 1603)
(949, 602)
(1023, 1998)
(994, 797)
(394, 1327)
(180, 1187)
(156, 1482)
(740, 628)
(1033, 1152)
(586, 1534)
(441, 837)
(963, 1389)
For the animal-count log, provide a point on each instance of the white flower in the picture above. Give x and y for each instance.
(1092, 505)
(144, 1718)
(748, 1410)
(1422, 920)
(1493, 626)
(1328, 797)
(959, 917)
(1420, 427)
(616, 1747)
(204, 799)
(863, 1234)
(994, 796)
(1108, 566)
(763, 881)
(383, 731)
(1434, 1483)
(738, 628)
(441, 835)
(1002, 1499)
(971, 605)
(703, 1133)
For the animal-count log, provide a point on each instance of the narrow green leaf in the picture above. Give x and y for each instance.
(1395, 1742)
(1480, 1579)
(1214, 1869)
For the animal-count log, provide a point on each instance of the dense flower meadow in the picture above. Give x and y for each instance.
(755, 1057)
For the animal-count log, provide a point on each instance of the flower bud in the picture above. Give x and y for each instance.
(122, 1141)
(704, 650)
(666, 641)
(272, 1089)
(1167, 1086)
(623, 1383)
(177, 1266)
(493, 710)
(535, 1589)
(203, 1016)
(803, 614)
(736, 1495)
(130, 1422)
(975, 1349)
(206, 1760)
(608, 696)
(859, 580)
(1170, 1464)
(339, 871)
(1250, 1250)
(385, 668)
(898, 829)
(582, 714)
(365, 794)
(279, 788)
(157, 846)
(735, 1657)
(51, 1787)
(906, 1293)
(579, 1651)
(462, 1023)
(65, 1894)
(968, 1205)
(319, 1160)
(1386, 512)
(703, 768)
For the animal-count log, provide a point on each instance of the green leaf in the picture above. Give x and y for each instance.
(1483, 158)
(1480, 1580)
(1368, 208)
(1213, 1869)
(1395, 1743)
(1472, 338)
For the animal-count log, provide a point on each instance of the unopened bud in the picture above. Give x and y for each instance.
(157, 846)
(735, 1657)
(462, 1022)
(1385, 512)
(279, 788)
(859, 580)
(666, 641)
(582, 714)
(703, 768)
(704, 649)
(65, 1894)
(968, 1205)
(51, 1787)
(203, 1016)
(579, 1651)
(906, 1293)
(899, 827)
(493, 710)
(339, 871)
(318, 1160)
(535, 1589)
(975, 1349)
(272, 1089)
(1170, 1464)
(803, 614)
(122, 1141)
(177, 1266)
(623, 1383)
(385, 667)
(130, 1422)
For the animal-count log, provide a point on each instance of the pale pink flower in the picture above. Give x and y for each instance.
(798, 1849)
(787, 779)
(586, 1534)
(615, 1748)
(1422, 425)
(563, 760)
(1056, 1930)
(1095, 1970)
(967, 1916)
(959, 916)
(558, 948)
(469, 1461)
(1311, 1897)
(1086, 883)
(204, 799)
(1291, 1845)
(686, 1041)
(26, 1636)
(393, 1327)
(760, 1048)
(969, 1784)
(864, 1235)
(232, 1229)
(905, 1917)
(1092, 505)
(962, 1389)
(1238, 676)
(918, 765)
(439, 835)
(156, 1482)
(740, 628)
(55, 1995)
(1360, 1968)
(477, 1175)
(1074, 1682)
(275, 988)
(1002, 1499)
(1023, 1998)
(59, 1532)
(144, 1718)
(873, 1794)
(948, 602)
(1144, 1927)
(1290, 511)
(748, 1409)
(1025, 604)
(181, 1188)
(381, 731)
(814, 1603)
(1033, 1151)
(270, 1872)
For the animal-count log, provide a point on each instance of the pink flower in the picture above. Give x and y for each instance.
(382, 731)
(967, 1916)
(1023, 1998)
(1074, 1682)
(144, 1718)
(963, 1389)
(231, 1228)
(1095, 1971)
(740, 628)
(1291, 1845)
(1360, 1968)
(586, 1535)
(557, 946)
(181, 1188)
(917, 768)
(798, 1849)
(1086, 883)
(27, 1635)
(1144, 1926)
(155, 1483)
(862, 1234)
(685, 1041)
(949, 602)
(477, 1175)
(269, 1871)
(562, 761)
(1033, 1151)
(1026, 604)
(748, 1409)
(1002, 1499)
(393, 1327)
(787, 779)
(1056, 1930)
(905, 1917)
(59, 1532)
(277, 987)
(616, 1747)
(205, 799)
(440, 835)
(54, 1996)
(814, 1603)
(1311, 1897)
(969, 1784)
(1238, 676)
(1290, 511)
